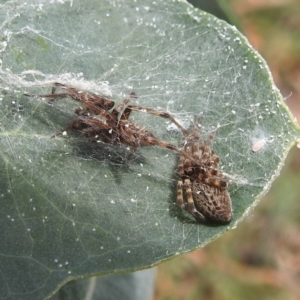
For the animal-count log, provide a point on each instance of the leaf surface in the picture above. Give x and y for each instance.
(70, 208)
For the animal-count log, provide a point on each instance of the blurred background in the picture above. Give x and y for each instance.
(261, 258)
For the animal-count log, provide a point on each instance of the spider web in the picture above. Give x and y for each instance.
(72, 205)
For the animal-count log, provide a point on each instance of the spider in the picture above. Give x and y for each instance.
(201, 189)
(102, 121)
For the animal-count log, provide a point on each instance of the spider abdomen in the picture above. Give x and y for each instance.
(212, 202)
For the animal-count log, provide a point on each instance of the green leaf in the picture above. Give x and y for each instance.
(70, 208)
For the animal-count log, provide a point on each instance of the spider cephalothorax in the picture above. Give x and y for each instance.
(201, 189)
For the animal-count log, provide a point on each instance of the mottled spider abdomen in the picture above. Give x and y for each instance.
(212, 202)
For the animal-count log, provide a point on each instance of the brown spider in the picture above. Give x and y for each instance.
(101, 120)
(201, 189)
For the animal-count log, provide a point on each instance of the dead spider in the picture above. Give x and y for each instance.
(102, 121)
(201, 189)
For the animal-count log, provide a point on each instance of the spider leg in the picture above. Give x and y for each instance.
(207, 172)
(188, 161)
(158, 114)
(52, 96)
(126, 112)
(180, 201)
(97, 104)
(83, 97)
(150, 140)
(180, 169)
(213, 181)
(190, 206)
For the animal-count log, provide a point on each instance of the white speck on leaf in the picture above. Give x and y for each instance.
(258, 145)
